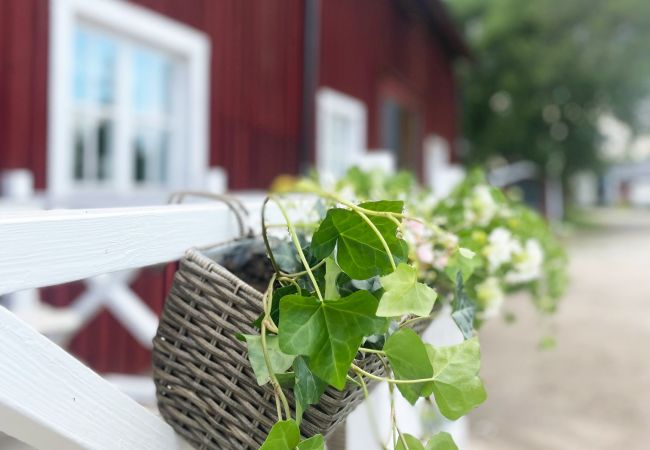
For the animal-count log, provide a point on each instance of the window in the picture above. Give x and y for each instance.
(128, 100)
(340, 132)
(400, 132)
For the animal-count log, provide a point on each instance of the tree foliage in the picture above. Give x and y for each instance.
(544, 72)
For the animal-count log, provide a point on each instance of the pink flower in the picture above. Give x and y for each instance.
(425, 253)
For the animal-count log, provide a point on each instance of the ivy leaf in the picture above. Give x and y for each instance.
(275, 304)
(464, 261)
(286, 380)
(457, 387)
(441, 441)
(279, 361)
(360, 253)
(284, 435)
(404, 295)
(332, 271)
(307, 389)
(409, 360)
(463, 309)
(313, 443)
(412, 443)
(324, 239)
(328, 332)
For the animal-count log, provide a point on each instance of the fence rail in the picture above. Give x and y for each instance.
(42, 248)
(48, 399)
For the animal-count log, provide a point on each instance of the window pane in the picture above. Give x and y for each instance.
(104, 149)
(151, 82)
(93, 149)
(78, 163)
(94, 68)
(151, 157)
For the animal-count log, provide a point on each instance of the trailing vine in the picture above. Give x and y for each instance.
(354, 300)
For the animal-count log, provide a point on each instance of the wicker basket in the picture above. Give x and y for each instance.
(205, 385)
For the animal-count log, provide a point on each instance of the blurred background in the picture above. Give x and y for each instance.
(118, 103)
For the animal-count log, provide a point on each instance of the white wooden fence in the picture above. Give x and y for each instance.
(48, 399)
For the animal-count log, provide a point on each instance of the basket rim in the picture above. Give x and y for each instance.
(197, 256)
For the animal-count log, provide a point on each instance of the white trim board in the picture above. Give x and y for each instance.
(333, 110)
(50, 400)
(42, 248)
(145, 26)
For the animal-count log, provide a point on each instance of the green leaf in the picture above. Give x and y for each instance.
(441, 441)
(409, 360)
(463, 309)
(284, 435)
(279, 361)
(328, 332)
(324, 239)
(275, 304)
(316, 442)
(394, 206)
(360, 252)
(403, 294)
(307, 389)
(457, 387)
(332, 271)
(286, 380)
(412, 443)
(464, 261)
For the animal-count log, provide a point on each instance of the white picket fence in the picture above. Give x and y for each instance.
(48, 399)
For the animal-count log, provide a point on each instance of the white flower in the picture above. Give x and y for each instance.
(440, 259)
(490, 296)
(501, 248)
(425, 253)
(527, 263)
(347, 193)
(480, 207)
(449, 240)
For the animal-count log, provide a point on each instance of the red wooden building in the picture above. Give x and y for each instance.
(113, 102)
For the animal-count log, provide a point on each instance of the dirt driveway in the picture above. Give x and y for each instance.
(592, 391)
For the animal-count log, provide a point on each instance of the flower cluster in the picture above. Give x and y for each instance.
(512, 247)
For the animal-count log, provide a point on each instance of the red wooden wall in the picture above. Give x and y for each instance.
(256, 75)
(23, 85)
(369, 46)
(255, 111)
(255, 102)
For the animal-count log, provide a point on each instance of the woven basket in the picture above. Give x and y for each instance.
(205, 385)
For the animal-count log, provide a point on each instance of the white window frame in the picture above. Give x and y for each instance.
(332, 103)
(141, 25)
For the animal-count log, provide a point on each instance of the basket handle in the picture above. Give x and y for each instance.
(234, 204)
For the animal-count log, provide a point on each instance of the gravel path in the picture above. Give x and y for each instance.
(592, 391)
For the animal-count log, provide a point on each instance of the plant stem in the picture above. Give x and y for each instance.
(278, 407)
(274, 380)
(291, 281)
(270, 325)
(359, 370)
(267, 359)
(304, 272)
(297, 225)
(371, 350)
(414, 319)
(401, 437)
(296, 243)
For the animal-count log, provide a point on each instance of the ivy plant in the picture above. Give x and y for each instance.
(355, 296)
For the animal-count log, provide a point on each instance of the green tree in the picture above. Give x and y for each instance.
(544, 71)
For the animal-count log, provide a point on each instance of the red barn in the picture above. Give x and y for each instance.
(111, 102)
